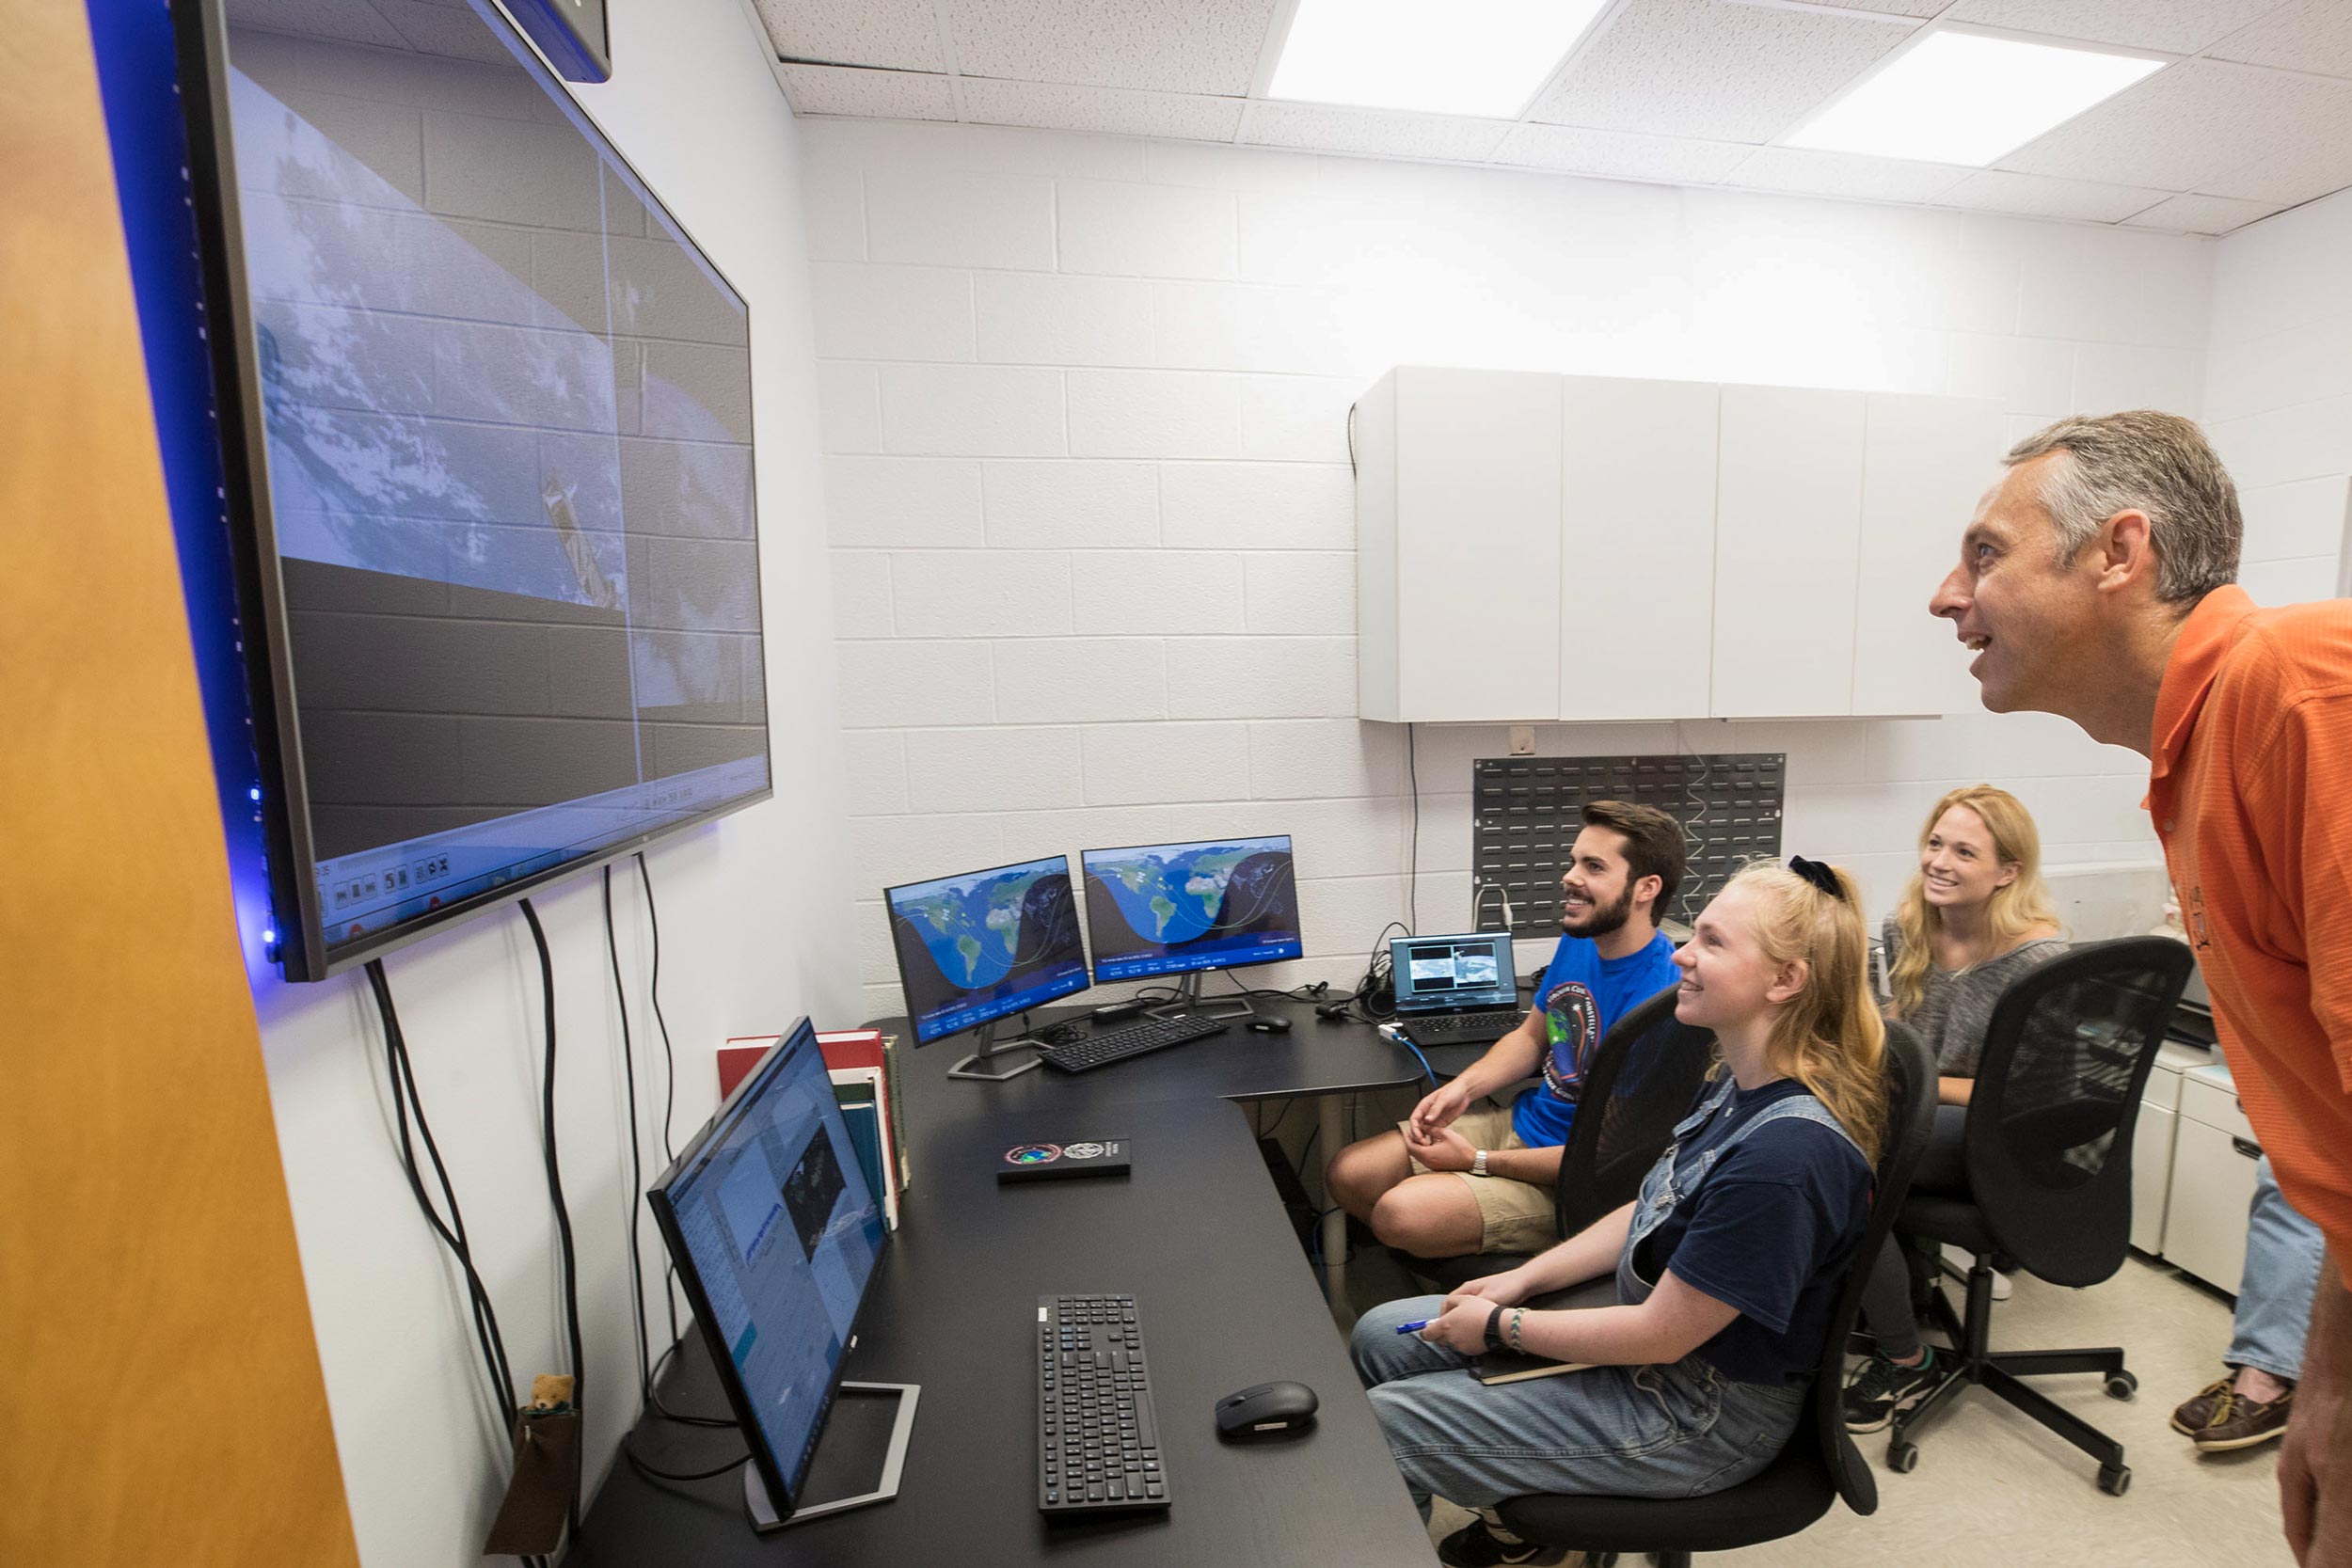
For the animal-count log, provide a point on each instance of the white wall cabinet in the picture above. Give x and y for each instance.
(1659, 550)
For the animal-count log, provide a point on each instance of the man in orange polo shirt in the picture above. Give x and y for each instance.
(2096, 581)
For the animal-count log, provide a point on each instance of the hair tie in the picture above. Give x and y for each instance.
(1816, 873)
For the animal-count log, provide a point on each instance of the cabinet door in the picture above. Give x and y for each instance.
(1926, 462)
(2213, 1186)
(1478, 544)
(1637, 561)
(2151, 1176)
(1788, 524)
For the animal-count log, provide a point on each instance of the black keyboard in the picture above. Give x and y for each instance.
(1466, 1024)
(1105, 1046)
(1098, 1443)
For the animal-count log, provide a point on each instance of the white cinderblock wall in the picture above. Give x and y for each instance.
(2280, 394)
(1091, 517)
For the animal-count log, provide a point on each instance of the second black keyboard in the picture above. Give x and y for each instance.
(1454, 1024)
(1098, 1441)
(1105, 1046)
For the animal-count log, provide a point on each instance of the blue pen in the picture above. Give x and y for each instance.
(1414, 1328)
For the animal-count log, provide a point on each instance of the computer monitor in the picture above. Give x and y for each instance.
(1179, 909)
(983, 945)
(1450, 973)
(775, 1233)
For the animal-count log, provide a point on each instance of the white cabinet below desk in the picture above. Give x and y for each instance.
(2213, 1181)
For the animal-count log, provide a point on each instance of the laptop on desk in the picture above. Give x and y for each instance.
(1456, 990)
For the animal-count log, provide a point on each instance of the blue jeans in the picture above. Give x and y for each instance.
(2273, 1299)
(1629, 1432)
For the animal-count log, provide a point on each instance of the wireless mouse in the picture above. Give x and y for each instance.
(1271, 1025)
(1267, 1407)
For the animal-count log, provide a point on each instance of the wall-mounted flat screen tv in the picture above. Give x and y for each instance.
(486, 411)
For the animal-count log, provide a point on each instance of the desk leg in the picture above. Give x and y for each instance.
(1331, 1114)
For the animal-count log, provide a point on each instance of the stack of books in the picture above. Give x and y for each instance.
(863, 1066)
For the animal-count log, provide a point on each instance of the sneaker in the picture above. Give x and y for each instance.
(2196, 1413)
(1881, 1389)
(1479, 1544)
(2239, 1423)
(1957, 1262)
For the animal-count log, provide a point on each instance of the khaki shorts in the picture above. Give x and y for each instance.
(1513, 1216)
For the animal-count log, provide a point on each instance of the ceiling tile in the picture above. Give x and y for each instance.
(902, 35)
(2190, 124)
(1055, 106)
(1621, 155)
(2317, 165)
(1714, 69)
(2175, 26)
(2035, 196)
(2202, 214)
(1200, 46)
(1803, 172)
(2307, 35)
(1921, 9)
(352, 20)
(437, 29)
(826, 89)
(1325, 127)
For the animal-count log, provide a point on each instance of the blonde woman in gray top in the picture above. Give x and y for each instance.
(1976, 916)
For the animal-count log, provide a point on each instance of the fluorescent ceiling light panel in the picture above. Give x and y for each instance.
(1967, 97)
(1484, 57)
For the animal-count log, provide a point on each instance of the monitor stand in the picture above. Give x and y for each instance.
(863, 1445)
(974, 1065)
(1187, 1000)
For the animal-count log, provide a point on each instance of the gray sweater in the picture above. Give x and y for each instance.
(1956, 1007)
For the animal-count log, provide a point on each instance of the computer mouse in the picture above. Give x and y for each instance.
(1271, 1025)
(1267, 1407)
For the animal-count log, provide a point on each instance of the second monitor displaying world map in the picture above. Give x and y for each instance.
(1163, 909)
(977, 947)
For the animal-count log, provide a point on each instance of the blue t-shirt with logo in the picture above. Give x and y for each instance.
(1581, 995)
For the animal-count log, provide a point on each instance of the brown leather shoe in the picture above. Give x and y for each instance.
(2243, 1423)
(2195, 1413)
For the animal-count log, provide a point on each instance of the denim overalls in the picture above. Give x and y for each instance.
(1678, 1431)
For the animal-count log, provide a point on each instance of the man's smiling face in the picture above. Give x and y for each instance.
(2029, 620)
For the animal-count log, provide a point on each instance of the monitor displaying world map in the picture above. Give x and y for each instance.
(975, 947)
(1165, 909)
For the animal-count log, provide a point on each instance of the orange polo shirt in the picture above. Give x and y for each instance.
(2251, 791)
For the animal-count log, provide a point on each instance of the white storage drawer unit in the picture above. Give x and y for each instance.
(2213, 1181)
(1532, 546)
(2152, 1142)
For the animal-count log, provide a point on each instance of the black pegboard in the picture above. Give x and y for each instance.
(1525, 816)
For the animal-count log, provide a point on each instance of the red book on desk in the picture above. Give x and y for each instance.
(843, 1048)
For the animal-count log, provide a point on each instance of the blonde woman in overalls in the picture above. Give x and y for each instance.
(1728, 1265)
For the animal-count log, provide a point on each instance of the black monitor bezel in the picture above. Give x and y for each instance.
(201, 37)
(1094, 945)
(763, 1456)
(914, 1024)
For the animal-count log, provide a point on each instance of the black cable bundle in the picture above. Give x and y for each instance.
(402, 1077)
(636, 1166)
(669, 1058)
(555, 1181)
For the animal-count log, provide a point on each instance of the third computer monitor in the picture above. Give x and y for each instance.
(975, 947)
(1167, 909)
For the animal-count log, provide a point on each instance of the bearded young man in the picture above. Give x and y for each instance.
(2096, 583)
(1459, 1177)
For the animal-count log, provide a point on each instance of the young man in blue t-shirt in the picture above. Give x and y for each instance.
(1461, 1177)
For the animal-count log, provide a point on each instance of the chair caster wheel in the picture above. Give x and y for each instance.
(2121, 1385)
(1902, 1458)
(2117, 1481)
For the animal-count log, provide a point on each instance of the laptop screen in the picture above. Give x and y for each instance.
(1444, 974)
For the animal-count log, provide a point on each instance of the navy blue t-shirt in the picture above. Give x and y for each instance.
(1769, 1232)
(1581, 997)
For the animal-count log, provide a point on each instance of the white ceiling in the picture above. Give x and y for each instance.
(2254, 115)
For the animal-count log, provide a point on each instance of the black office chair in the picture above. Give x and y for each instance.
(1821, 1464)
(2048, 1149)
(1643, 1077)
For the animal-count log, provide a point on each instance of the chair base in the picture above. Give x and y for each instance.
(1973, 1363)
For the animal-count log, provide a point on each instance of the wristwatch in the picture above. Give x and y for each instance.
(1494, 1328)
(1478, 1162)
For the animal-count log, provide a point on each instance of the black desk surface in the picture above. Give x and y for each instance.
(1196, 1234)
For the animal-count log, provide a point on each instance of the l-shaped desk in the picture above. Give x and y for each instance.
(1196, 1233)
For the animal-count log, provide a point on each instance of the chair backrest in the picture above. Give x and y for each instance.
(2049, 1139)
(1645, 1076)
(1909, 1119)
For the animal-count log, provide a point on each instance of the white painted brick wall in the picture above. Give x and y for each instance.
(2280, 394)
(1119, 546)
